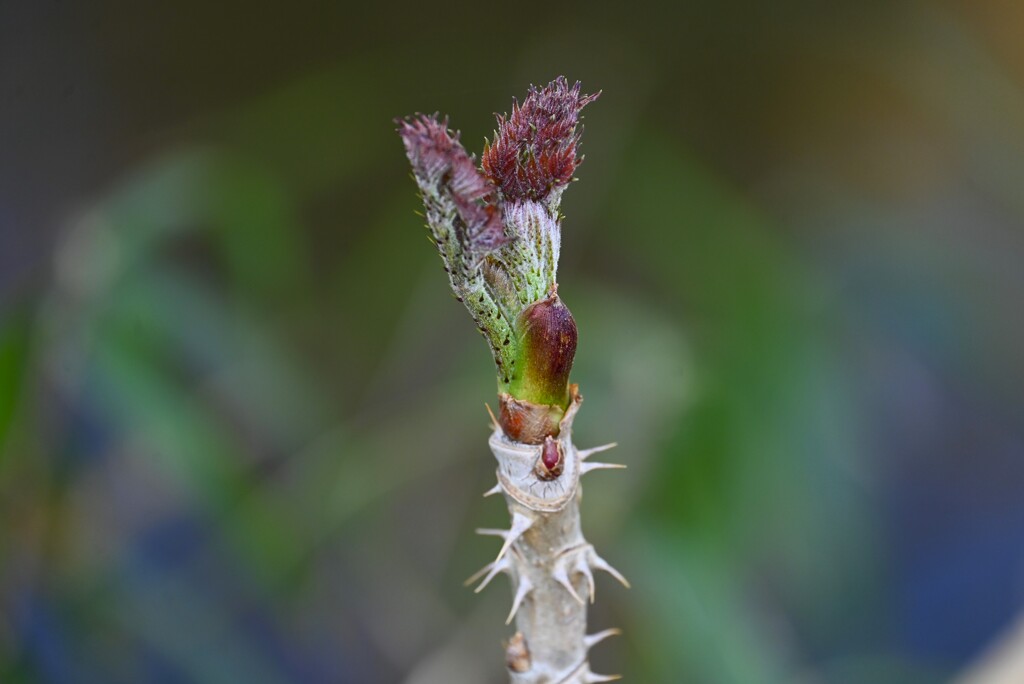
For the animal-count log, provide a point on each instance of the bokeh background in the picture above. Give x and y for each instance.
(242, 426)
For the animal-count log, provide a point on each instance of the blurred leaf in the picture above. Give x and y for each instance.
(14, 361)
(192, 632)
(697, 625)
(251, 213)
(322, 128)
(140, 395)
(762, 466)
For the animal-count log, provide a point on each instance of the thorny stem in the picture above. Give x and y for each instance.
(498, 232)
(548, 560)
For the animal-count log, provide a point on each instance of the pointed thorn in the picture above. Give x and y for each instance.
(585, 453)
(496, 489)
(592, 640)
(588, 576)
(587, 467)
(494, 421)
(561, 575)
(489, 532)
(591, 678)
(525, 587)
(487, 580)
(492, 570)
(601, 564)
(520, 523)
(477, 575)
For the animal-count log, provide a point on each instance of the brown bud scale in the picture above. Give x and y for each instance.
(527, 422)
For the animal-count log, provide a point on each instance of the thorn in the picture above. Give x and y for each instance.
(591, 678)
(561, 575)
(587, 467)
(496, 489)
(592, 640)
(585, 453)
(601, 564)
(494, 421)
(492, 570)
(525, 587)
(497, 567)
(477, 575)
(584, 568)
(520, 523)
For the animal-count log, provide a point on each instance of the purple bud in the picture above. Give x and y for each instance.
(552, 460)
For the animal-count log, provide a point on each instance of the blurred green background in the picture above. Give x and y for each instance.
(242, 433)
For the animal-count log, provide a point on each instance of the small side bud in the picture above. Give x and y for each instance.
(517, 655)
(552, 460)
(547, 346)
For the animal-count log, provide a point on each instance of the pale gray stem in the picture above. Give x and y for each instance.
(548, 560)
(551, 619)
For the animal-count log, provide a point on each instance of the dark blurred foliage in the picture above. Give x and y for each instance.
(241, 426)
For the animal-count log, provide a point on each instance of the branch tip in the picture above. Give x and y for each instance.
(533, 152)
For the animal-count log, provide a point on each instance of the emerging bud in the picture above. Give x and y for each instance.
(534, 148)
(498, 232)
(547, 346)
(552, 460)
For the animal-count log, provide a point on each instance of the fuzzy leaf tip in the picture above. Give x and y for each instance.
(534, 148)
(442, 165)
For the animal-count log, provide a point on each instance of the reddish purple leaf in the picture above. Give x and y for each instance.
(534, 150)
(439, 160)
